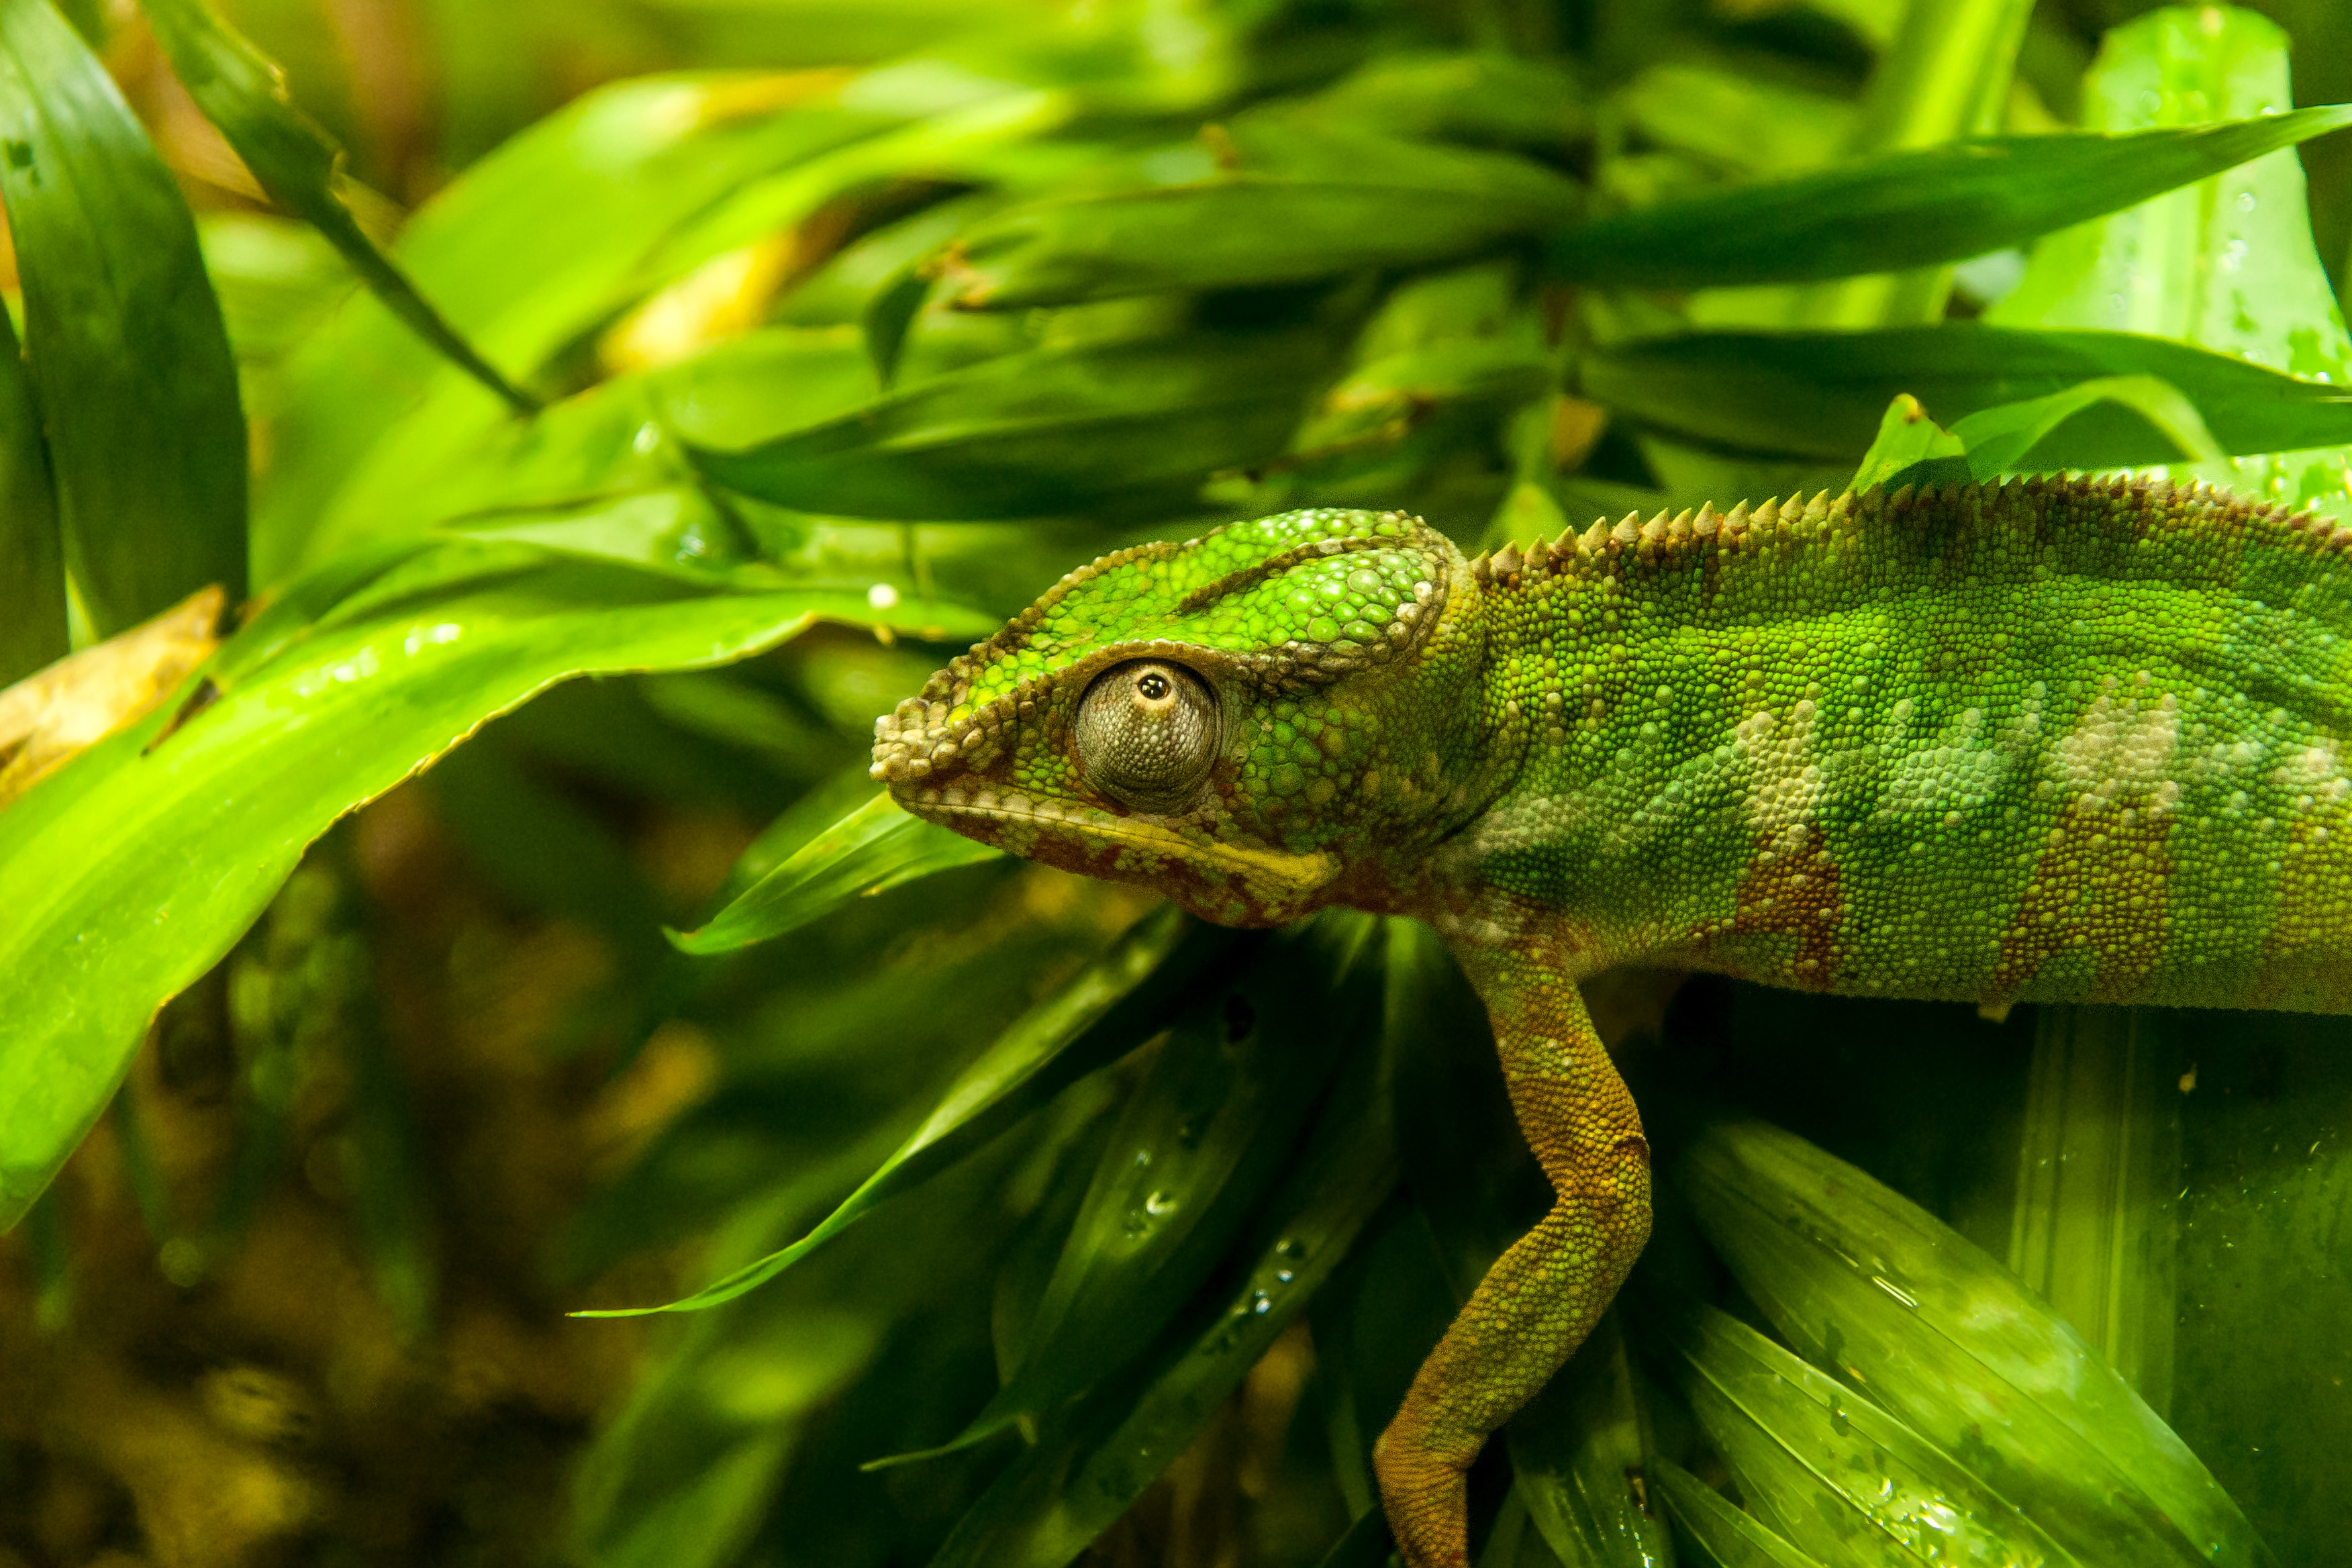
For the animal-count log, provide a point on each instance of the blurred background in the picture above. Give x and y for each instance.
(300, 1298)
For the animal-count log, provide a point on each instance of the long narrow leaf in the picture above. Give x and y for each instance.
(2228, 264)
(1821, 394)
(1733, 1538)
(1834, 1474)
(1913, 208)
(1054, 429)
(1200, 1139)
(32, 565)
(1114, 1005)
(243, 93)
(1906, 1309)
(1060, 1495)
(1300, 206)
(130, 365)
(129, 872)
(876, 847)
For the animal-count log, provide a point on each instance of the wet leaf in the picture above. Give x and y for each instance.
(123, 334)
(129, 872)
(1581, 1449)
(1905, 1309)
(1115, 1005)
(1832, 1473)
(1048, 431)
(1197, 1142)
(1733, 1538)
(876, 847)
(1055, 1498)
(2227, 264)
(1291, 205)
(1821, 394)
(1911, 208)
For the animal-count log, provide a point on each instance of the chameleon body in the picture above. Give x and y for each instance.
(2053, 740)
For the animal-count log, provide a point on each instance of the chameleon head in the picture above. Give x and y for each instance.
(1254, 722)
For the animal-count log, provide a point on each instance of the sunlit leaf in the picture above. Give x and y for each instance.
(126, 874)
(129, 355)
(1911, 208)
(48, 718)
(1112, 1006)
(1907, 1310)
(876, 847)
(2228, 264)
(533, 247)
(243, 93)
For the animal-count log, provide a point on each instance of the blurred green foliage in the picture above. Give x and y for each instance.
(747, 356)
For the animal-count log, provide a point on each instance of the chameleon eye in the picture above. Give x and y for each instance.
(1147, 732)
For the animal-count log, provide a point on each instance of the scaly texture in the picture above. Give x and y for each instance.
(2050, 740)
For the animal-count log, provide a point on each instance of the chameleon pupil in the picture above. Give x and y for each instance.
(1154, 686)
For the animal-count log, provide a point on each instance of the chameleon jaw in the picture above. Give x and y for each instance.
(1231, 884)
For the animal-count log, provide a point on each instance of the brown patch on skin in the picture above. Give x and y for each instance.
(2304, 966)
(1790, 893)
(2102, 883)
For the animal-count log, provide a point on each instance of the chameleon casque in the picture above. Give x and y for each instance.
(2053, 740)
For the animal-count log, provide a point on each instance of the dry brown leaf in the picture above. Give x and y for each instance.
(53, 714)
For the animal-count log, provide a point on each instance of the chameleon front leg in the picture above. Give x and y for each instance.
(1542, 1297)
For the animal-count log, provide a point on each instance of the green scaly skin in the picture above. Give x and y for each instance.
(2049, 741)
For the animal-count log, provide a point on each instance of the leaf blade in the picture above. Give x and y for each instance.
(243, 93)
(122, 331)
(1912, 208)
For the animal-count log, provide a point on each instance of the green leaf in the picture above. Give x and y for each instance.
(876, 847)
(1115, 1004)
(1291, 205)
(130, 365)
(32, 568)
(1823, 395)
(1835, 1475)
(243, 93)
(1050, 430)
(1898, 1304)
(2228, 264)
(130, 871)
(1911, 449)
(534, 247)
(1101, 1456)
(1735, 1538)
(1575, 1449)
(1197, 1143)
(1911, 208)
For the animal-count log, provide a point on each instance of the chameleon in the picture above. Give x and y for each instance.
(2051, 739)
